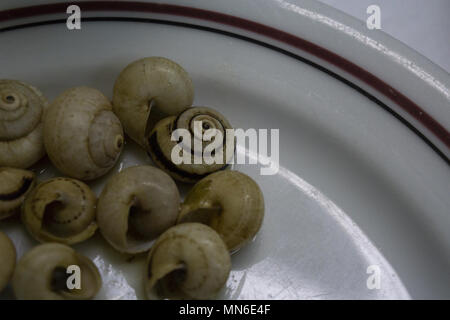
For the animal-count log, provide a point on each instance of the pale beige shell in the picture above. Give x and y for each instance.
(188, 261)
(15, 184)
(228, 201)
(135, 206)
(196, 122)
(41, 274)
(148, 90)
(22, 107)
(82, 136)
(7, 260)
(60, 210)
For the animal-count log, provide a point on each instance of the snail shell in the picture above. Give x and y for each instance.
(21, 110)
(41, 274)
(228, 201)
(82, 136)
(146, 91)
(15, 184)
(188, 261)
(8, 260)
(136, 206)
(197, 121)
(60, 210)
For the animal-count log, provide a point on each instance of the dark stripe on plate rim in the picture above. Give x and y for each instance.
(405, 103)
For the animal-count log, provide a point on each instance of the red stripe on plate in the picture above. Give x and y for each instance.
(376, 83)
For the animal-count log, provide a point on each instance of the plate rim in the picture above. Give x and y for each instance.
(409, 113)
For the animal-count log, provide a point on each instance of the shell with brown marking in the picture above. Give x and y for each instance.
(15, 184)
(202, 138)
(60, 210)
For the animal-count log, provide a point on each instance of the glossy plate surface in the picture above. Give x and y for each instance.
(363, 182)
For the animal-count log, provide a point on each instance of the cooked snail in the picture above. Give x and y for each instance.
(82, 136)
(197, 122)
(15, 184)
(43, 274)
(136, 206)
(146, 91)
(228, 201)
(21, 109)
(60, 210)
(188, 261)
(7, 260)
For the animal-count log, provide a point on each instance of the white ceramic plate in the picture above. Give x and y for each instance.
(364, 175)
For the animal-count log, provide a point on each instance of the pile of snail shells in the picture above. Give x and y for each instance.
(188, 243)
(152, 98)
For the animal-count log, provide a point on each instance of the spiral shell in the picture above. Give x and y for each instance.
(148, 90)
(82, 136)
(8, 260)
(22, 107)
(188, 261)
(136, 206)
(60, 210)
(15, 184)
(196, 123)
(41, 274)
(228, 201)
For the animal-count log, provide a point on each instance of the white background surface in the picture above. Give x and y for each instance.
(422, 25)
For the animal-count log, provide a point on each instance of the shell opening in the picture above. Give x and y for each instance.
(24, 187)
(154, 115)
(10, 99)
(170, 283)
(137, 228)
(57, 219)
(119, 142)
(167, 284)
(58, 280)
(50, 219)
